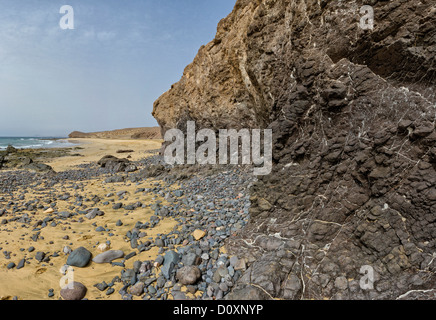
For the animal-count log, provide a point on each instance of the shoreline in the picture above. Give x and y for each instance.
(93, 149)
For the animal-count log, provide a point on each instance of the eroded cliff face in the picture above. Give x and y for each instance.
(354, 144)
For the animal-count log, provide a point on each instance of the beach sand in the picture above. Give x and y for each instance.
(95, 149)
(34, 280)
(184, 214)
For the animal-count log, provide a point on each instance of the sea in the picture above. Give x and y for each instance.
(34, 142)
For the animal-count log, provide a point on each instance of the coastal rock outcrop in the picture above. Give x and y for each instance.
(128, 133)
(349, 210)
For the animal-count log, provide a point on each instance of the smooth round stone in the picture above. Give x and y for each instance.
(73, 291)
(108, 256)
(79, 258)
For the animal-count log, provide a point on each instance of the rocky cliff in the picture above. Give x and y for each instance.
(353, 188)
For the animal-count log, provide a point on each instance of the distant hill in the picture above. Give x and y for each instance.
(129, 133)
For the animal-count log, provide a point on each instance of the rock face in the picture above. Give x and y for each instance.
(349, 210)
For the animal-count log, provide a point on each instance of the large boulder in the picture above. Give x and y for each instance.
(11, 149)
(113, 164)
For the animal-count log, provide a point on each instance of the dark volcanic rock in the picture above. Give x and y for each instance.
(79, 258)
(38, 167)
(113, 164)
(10, 149)
(352, 115)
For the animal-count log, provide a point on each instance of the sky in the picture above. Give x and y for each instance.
(105, 73)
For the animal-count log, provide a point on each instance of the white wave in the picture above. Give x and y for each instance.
(30, 146)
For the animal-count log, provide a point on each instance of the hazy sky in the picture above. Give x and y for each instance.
(107, 72)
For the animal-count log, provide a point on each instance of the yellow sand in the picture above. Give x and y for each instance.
(95, 149)
(34, 280)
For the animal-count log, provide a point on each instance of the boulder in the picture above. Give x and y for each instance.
(114, 164)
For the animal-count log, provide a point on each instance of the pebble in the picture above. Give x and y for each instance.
(170, 260)
(110, 291)
(188, 275)
(137, 289)
(199, 234)
(108, 256)
(101, 286)
(49, 210)
(103, 247)
(40, 256)
(21, 264)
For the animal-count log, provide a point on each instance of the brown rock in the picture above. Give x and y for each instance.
(198, 234)
(75, 291)
(137, 289)
(188, 275)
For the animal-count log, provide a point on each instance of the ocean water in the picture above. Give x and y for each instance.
(34, 143)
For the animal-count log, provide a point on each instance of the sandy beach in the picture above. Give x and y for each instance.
(35, 279)
(169, 224)
(95, 149)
